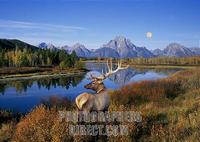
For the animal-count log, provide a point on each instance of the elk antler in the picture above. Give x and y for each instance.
(91, 77)
(110, 71)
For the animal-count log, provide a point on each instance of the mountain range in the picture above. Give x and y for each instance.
(119, 47)
(80, 50)
(176, 50)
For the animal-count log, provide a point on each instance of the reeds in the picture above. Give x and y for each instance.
(170, 110)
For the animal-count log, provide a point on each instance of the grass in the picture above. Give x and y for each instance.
(153, 66)
(8, 122)
(164, 66)
(29, 72)
(170, 110)
(170, 107)
(22, 70)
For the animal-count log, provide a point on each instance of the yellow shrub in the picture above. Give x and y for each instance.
(41, 125)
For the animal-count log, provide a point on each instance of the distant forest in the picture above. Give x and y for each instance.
(14, 53)
(182, 61)
(25, 57)
(165, 61)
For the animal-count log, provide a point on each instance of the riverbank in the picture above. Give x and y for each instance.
(169, 107)
(150, 66)
(163, 66)
(36, 72)
(13, 73)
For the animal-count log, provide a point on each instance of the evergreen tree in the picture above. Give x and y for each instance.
(74, 58)
(62, 55)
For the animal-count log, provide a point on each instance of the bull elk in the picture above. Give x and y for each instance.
(99, 101)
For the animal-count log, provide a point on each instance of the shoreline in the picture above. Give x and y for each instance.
(8, 74)
(164, 66)
(24, 77)
(151, 65)
(37, 72)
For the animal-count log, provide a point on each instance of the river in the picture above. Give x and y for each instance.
(21, 95)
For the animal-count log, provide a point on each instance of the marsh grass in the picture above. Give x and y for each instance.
(8, 122)
(170, 107)
(170, 110)
(59, 103)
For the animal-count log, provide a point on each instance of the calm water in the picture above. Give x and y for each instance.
(23, 95)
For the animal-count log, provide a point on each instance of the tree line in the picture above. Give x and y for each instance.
(22, 86)
(195, 60)
(166, 61)
(34, 58)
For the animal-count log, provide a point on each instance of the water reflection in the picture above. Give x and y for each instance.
(23, 95)
(118, 79)
(124, 76)
(130, 74)
(47, 82)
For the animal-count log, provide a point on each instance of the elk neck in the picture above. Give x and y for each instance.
(100, 88)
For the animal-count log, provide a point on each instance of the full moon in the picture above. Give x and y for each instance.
(149, 35)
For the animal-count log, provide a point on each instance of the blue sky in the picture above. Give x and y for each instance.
(95, 22)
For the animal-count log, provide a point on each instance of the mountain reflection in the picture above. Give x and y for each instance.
(119, 78)
(125, 76)
(51, 83)
(48, 83)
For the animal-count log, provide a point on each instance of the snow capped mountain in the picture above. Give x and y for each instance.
(44, 45)
(121, 47)
(67, 48)
(195, 50)
(158, 52)
(105, 52)
(126, 49)
(143, 52)
(80, 50)
(52, 47)
(177, 50)
(174, 50)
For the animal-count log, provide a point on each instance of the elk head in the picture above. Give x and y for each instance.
(96, 85)
(97, 82)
